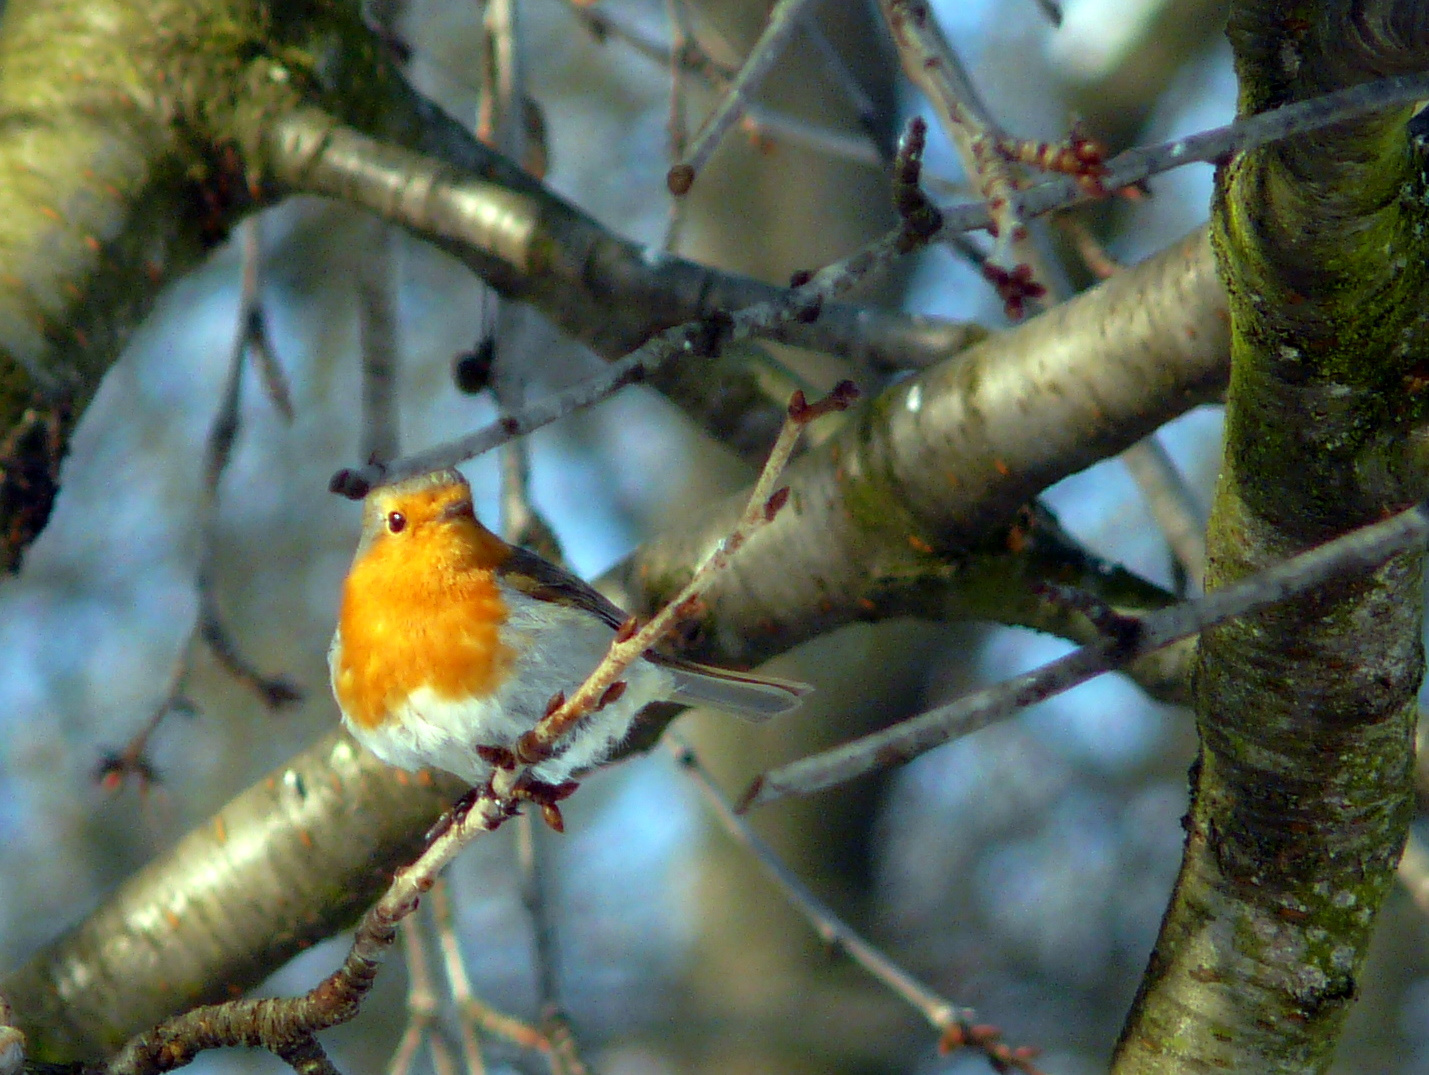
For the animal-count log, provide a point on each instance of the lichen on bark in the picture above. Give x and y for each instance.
(127, 132)
(1302, 793)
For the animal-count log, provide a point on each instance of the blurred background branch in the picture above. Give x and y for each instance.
(1022, 870)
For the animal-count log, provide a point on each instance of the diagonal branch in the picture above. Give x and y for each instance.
(918, 494)
(1364, 549)
(954, 1024)
(783, 22)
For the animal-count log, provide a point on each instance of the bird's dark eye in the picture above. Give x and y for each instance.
(396, 522)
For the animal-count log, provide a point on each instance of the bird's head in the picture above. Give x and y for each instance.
(421, 515)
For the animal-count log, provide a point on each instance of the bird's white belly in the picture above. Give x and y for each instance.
(554, 649)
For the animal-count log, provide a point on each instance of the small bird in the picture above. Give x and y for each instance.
(451, 643)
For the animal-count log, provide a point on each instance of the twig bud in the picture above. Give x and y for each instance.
(775, 503)
(679, 179)
(349, 483)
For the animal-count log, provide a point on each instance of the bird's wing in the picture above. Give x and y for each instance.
(539, 578)
(741, 693)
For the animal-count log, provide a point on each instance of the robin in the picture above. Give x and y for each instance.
(450, 644)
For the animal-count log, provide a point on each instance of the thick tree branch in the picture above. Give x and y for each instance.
(290, 861)
(1303, 791)
(535, 247)
(917, 495)
(300, 853)
(1123, 639)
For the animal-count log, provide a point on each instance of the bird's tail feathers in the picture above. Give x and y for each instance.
(755, 698)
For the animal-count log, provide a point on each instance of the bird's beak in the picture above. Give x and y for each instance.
(457, 509)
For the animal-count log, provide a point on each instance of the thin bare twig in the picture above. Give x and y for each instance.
(765, 501)
(846, 81)
(784, 19)
(1052, 10)
(508, 131)
(1101, 264)
(1172, 505)
(531, 868)
(801, 302)
(421, 998)
(681, 35)
(686, 57)
(1362, 549)
(377, 321)
(565, 1058)
(457, 981)
(933, 66)
(275, 692)
(690, 57)
(472, 1013)
(1214, 145)
(287, 1027)
(555, 1024)
(254, 336)
(954, 1024)
(503, 90)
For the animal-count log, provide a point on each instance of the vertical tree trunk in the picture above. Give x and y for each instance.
(1302, 792)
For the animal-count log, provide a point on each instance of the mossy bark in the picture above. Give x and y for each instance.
(1302, 793)
(126, 138)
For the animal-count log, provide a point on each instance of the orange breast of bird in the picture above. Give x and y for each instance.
(420, 613)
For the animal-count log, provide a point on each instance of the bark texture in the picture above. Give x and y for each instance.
(1302, 793)
(270, 874)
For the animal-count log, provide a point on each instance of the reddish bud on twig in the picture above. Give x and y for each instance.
(1081, 157)
(751, 793)
(1121, 630)
(921, 219)
(557, 700)
(530, 750)
(612, 693)
(114, 770)
(775, 503)
(807, 313)
(705, 337)
(804, 412)
(497, 756)
(1015, 287)
(690, 607)
(471, 370)
(626, 631)
(551, 815)
(277, 692)
(679, 179)
(349, 483)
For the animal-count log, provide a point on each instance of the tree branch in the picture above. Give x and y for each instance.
(1128, 638)
(918, 493)
(1303, 791)
(287, 863)
(536, 248)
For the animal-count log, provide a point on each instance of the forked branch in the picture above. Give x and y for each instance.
(1127, 638)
